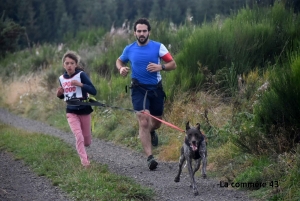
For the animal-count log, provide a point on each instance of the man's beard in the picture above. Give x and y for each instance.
(145, 39)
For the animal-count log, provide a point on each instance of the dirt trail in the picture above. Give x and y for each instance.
(122, 161)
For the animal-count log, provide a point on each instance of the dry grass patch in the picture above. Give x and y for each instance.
(27, 96)
(171, 151)
(203, 108)
(18, 88)
(222, 155)
(199, 108)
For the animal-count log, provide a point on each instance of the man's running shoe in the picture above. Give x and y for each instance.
(152, 164)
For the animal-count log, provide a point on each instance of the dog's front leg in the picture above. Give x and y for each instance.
(181, 161)
(204, 164)
(197, 166)
(203, 154)
(191, 173)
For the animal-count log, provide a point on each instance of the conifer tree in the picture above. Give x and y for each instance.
(9, 35)
(155, 13)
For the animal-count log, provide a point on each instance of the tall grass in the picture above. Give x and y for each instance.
(280, 119)
(291, 181)
(90, 37)
(27, 61)
(201, 47)
(270, 124)
(247, 40)
(104, 64)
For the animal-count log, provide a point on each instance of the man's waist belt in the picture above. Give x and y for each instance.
(136, 83)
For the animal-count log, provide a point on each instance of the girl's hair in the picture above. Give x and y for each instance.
(73, 55)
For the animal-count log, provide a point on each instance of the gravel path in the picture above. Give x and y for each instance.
(18, 183)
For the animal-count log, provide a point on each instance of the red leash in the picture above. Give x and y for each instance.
(96, 103)
(167, 123)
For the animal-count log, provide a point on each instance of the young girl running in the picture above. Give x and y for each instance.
(76, 85)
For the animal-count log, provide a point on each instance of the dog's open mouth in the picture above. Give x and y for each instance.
(194, 146)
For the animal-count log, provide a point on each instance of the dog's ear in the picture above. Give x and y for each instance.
(187, 125)
(198, 126)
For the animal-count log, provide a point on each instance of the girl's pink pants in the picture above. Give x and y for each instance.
(81, 128)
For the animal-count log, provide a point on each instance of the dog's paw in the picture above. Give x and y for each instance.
(204, 176)
(177, 179)
(196, 193)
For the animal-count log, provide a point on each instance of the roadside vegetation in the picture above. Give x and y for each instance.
(237, 76)
(50, 157)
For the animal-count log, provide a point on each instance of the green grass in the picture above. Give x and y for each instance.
(50, 157)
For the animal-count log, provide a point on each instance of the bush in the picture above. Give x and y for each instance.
(274, 125)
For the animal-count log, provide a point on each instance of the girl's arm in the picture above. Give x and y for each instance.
(87, 84)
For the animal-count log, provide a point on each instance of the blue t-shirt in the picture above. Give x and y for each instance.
(140, 56)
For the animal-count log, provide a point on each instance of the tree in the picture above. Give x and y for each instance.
(9, 35)
(176, 18)
(293, 4)
(66, 26)
(44, 25)
(59, 10)
(155, 13)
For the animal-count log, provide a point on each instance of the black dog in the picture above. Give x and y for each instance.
(194, 147)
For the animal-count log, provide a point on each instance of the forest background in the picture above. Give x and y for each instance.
(238, 75)
(56, 20)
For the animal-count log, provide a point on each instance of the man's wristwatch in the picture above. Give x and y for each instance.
(163, 67)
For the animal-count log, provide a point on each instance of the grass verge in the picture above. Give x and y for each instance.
(50, 157)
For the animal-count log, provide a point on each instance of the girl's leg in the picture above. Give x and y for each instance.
(75, 125)
(86, 129)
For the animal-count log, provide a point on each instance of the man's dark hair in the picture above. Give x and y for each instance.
(142, 21)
